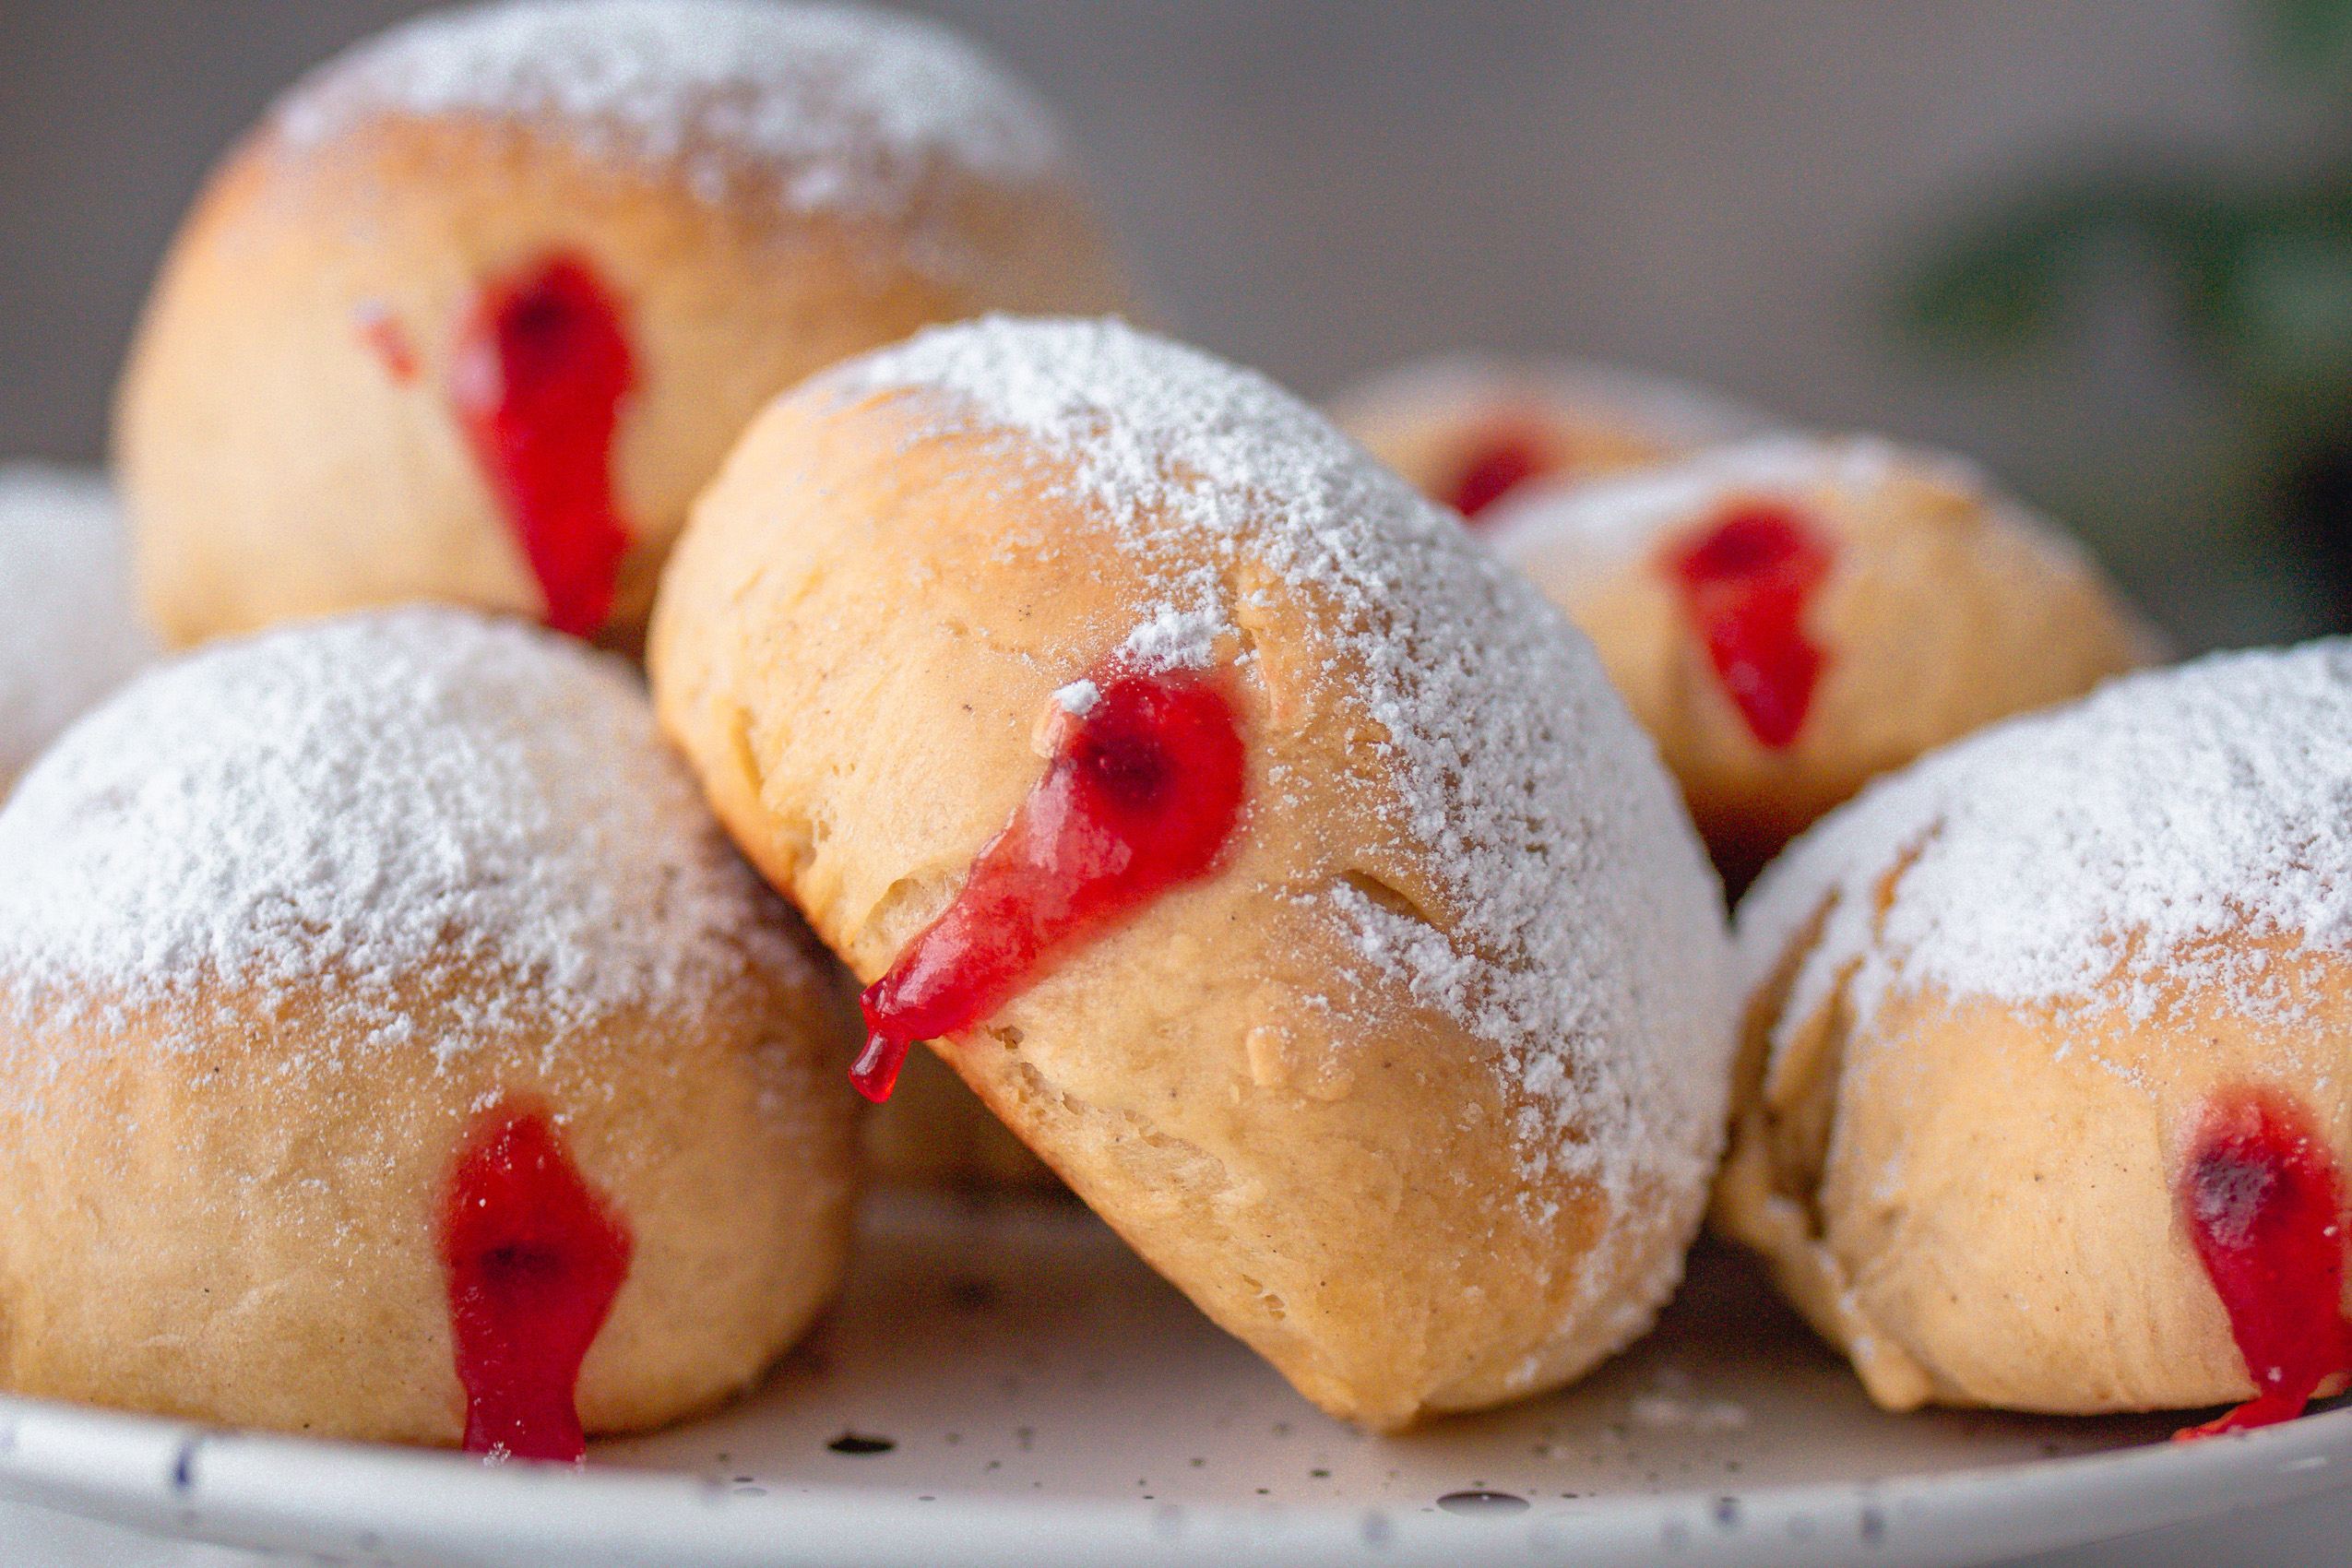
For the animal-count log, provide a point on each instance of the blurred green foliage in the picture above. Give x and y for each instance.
(2257, 269)
(2311, 36)
(2260, 279)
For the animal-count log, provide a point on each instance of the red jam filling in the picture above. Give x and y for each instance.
(537, 380)
(2264, 1208)
(1141, 795)
(534, 1258)
(1497, 467)
(384, 335)
(1745, 581)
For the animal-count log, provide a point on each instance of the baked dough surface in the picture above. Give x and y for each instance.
(1992, 1001)
(764, 188)
(1944, 608)
(1419, 1092)
(284, 921)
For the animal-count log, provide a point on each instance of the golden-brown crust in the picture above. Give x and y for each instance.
(2048, 1060)
(1943, 609)
(273, 466)
(292, 922)
(230, 1212)
(1979, 1201)
(855, 643)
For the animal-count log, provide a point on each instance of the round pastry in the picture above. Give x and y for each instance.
(1789, 616)
(1274, 862)
(1470, 429)
(391, 1046)
(71, 634)
(2048, 1099)
(479, 307)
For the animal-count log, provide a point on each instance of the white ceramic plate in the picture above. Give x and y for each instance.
(1015, 1388)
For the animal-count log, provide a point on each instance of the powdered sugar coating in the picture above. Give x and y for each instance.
(1579, 938)
(340, 808)
(849, 110)
(1576, 536)
(71, 634)
(2086, 858)
(1585, 531)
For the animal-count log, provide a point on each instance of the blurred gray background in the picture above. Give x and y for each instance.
(1728, 192)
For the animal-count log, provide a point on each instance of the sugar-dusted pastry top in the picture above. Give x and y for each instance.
(2044, 1100)
(1282, 868)
(1491, 723)
(1470, 430)
(391, 1047)
(390, 795)
(1603, 527)
(847, 110)
(71, 634)
(2091, 857)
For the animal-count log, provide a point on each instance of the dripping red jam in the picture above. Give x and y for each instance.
(2263, 1205)
(534, 1257)
(1498, 464)
(1745, 581)
(1141, 794)
(541, 370)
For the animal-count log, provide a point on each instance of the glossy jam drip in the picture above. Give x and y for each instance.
(1497, 467)
(537, 380)
(1141, 794)
(1745, 581)
(534, 1258)
(2264, 1205)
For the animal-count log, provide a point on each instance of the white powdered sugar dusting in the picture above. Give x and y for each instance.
(65, 574)
(341, 809)
(850, 110)
(2088, 857)
(1579, 937)
(1572, 535)
(1176, 639)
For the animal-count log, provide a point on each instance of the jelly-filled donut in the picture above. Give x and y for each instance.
(1470, 429)
(1789, 617)
(71, 634)
(1271, 858)
(478, 308)
(392, 1046)
(2049, 1092)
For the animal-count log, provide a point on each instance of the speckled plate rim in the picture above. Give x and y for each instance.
(365, 1503)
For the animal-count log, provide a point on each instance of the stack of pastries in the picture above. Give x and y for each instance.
(418, 1023)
